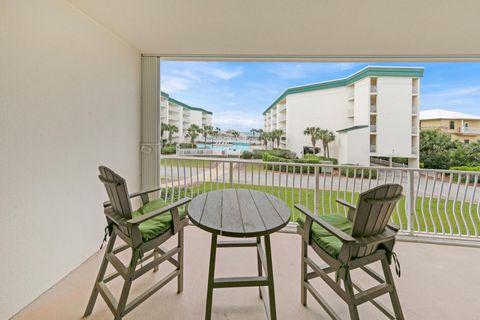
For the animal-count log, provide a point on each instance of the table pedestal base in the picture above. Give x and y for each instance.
(264, 262)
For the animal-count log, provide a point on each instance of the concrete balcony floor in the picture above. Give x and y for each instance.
(437, 282)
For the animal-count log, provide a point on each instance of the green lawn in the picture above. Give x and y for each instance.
(427, 221)
(186, 163)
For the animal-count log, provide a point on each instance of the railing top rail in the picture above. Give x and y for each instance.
(259, 162)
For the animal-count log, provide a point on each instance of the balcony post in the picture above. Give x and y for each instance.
(230, 174)
(315, 192)
(410, 201)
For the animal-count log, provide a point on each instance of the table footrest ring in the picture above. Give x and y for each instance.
(236, 282)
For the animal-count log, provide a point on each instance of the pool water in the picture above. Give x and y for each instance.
(234, 146)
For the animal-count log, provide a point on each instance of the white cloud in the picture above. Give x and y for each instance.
(239, 120)
(289, 70)
(457, 98)
(175, 84)
(224, 74)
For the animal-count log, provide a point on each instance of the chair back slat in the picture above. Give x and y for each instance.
(117, 192)
(374, 209)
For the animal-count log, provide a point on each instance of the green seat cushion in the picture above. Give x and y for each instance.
(154, 227)
(325, 239)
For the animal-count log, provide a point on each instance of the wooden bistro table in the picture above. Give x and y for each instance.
(240, 213)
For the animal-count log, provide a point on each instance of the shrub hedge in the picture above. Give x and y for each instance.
(168, 150)
(187, 146)
(465, 168)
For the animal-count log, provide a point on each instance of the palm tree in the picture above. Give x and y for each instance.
(171, 130)
(193, 132)
(314, 133)
(163, 127)
(205, 131)
(277, 136)
(264, 136)
(216, 131)
(235, 133)
(326, 136)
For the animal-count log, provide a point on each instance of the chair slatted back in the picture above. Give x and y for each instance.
(374, 209)
(117, 192)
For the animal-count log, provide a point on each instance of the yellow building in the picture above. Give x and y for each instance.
(460, 126)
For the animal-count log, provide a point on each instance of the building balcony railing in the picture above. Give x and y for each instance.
(298, 178)
(373, 148)
(373, 128)
(373, 89)
(282, 117)
(373, 108)
(469, 130)
(414, 130)
(282, 107)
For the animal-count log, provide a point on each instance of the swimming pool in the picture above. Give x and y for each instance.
(233, 146)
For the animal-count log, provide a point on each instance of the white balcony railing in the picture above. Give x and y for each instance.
(470, 130)
(373, 128)
(440, 204)
(373, 89)
(373, 108)
(373, 148)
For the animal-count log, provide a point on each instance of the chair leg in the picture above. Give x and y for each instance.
(259, 266)
(122, 302)
(397, 309)
(303, 278)
(156, 255)
(352, 307)
(271, 288)
(100, 276)
(180, 260)
(211, 277)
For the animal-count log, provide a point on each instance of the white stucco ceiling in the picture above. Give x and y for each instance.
(308, 28)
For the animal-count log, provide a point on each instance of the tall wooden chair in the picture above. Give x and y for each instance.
(142, 231)
(347, 243)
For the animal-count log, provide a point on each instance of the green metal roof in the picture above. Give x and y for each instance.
(409, 72)
(166, 95)
(352, 128)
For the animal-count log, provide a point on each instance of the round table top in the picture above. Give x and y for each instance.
(238, 212)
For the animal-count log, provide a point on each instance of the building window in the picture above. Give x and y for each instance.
(452, 125)
(466, 125)
(466, 141)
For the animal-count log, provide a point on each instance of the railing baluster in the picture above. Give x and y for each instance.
(447, 199)
(472, 199)
(454, 205)
(465, 189)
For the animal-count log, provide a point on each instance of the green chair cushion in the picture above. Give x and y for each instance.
(154, 227)
(325, 239)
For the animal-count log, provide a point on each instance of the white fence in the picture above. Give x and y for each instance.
(438, 205)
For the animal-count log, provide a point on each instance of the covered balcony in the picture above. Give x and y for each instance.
(80, 87)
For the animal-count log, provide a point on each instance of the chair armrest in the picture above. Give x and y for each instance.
(173, 208)
(385, 236)
(393, 227)
(134, 195)
(346, 204)
(342, 236)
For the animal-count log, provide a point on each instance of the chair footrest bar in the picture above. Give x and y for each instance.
(155, 262)
(372, 293)
(170, 259)
(378, 305)
(117, 264)
(135, 302)
(236, 282)
(236, 244)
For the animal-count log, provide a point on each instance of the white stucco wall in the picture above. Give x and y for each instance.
(196, 117)
(69, 101)
(326, 109)
(358, 147)
(362, 102)
(394, 116)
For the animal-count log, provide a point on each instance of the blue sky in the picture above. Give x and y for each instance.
(238, 92)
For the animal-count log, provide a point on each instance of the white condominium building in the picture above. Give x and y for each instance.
(181, 115)
(373, 113)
